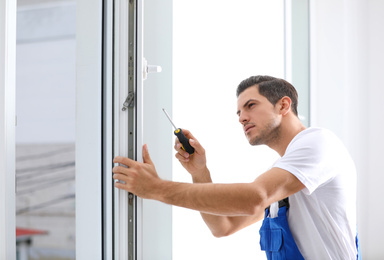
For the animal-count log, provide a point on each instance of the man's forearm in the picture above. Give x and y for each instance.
(219, 225)
(218, 199)
(203, 177)
(222, 225)
(215, 199)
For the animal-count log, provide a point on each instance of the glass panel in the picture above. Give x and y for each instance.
(299, 62)
(45, 133)
(217, 44)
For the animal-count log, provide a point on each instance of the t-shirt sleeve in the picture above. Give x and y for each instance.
(311, 158)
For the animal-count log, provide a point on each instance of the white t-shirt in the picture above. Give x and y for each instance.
(322, 216)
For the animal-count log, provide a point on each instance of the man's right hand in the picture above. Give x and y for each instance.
(196, 163)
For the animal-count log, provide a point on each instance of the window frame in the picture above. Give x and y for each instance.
(297, 53)
(102, 69)
(7, 129)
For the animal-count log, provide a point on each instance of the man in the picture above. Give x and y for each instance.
(315, 173)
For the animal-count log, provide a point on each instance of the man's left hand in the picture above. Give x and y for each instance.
(138, 178)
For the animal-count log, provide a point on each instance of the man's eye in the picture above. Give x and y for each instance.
(250, 105)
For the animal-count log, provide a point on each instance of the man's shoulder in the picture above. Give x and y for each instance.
(316, 144)
(315, 131)
(315, 135)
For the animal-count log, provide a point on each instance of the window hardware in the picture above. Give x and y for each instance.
(129, 101)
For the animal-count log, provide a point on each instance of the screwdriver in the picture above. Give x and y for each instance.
(182, 138)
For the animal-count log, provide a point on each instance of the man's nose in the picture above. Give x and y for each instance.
(243, 118)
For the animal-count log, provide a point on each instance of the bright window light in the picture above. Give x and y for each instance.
(217, 44)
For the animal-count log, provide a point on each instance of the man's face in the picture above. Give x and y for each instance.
(260, 119)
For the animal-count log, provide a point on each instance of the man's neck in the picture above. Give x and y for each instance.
(290, 127)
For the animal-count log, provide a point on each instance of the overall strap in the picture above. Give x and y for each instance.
(282, 203)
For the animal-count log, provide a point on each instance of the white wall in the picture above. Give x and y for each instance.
(346, 62)
(371, 210)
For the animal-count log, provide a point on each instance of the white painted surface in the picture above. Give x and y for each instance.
(7, 129)
(157, 132)
(88, 130)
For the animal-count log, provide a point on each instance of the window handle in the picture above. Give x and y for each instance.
(149, 68)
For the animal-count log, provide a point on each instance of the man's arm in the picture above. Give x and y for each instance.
(225, 225)
(246, 201)
(219, 225)
(196, 166)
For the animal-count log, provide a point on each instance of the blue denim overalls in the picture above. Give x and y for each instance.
(276, 238)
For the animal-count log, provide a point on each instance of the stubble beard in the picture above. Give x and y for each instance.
(269, 135)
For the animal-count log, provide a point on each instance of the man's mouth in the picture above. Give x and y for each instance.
(248, 128)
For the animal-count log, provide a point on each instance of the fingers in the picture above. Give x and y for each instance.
(180, 151)
(120, 172)
(124, 160)
(130, 163)
(128, 169)
(122, 182)
(119, 185)
(195, 144)
(182, 156)
(120, 178)
(192, 141)
(123, 177)
(146, 157)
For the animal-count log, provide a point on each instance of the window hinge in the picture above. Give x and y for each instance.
(129, 101)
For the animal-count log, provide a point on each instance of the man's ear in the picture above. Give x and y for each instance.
(285, 105)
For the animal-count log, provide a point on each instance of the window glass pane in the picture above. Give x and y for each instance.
(217, 44)
(45, 133)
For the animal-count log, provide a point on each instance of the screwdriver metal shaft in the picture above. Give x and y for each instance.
(180, 135)
(170, 120)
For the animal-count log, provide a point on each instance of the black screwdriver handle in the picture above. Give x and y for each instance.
(184, 141)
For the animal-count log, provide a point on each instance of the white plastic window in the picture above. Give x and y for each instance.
(45, 135)
(7, 128)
